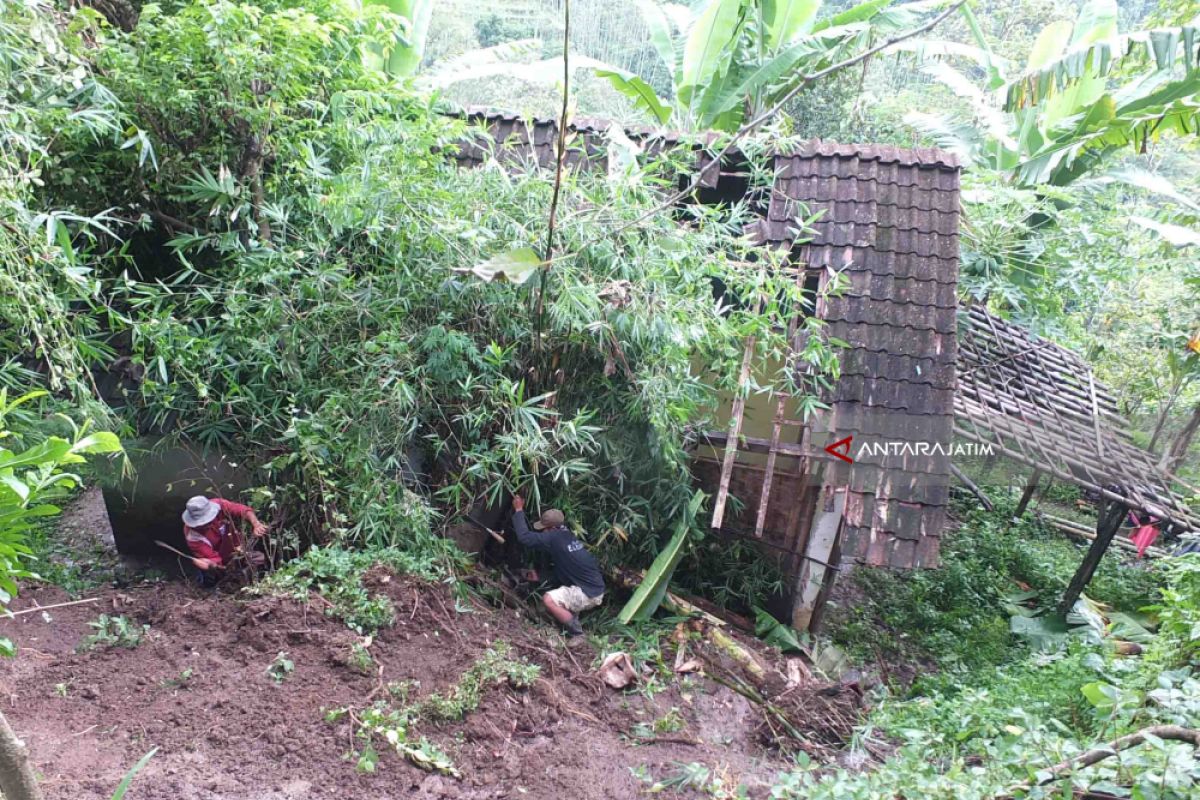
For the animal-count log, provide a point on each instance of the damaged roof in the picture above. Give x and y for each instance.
(1040, 404)
(887, 223)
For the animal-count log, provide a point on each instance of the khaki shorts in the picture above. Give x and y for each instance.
(573, 599)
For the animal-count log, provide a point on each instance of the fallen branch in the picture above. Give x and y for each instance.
(1096, 755)
(47, 608)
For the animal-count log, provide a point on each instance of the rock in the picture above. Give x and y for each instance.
(435, 786)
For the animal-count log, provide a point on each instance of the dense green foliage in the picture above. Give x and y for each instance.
(956, 616)
(284, 277)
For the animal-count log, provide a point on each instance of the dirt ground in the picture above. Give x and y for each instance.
(232, 732)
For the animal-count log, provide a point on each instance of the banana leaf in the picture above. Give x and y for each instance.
(653, 588)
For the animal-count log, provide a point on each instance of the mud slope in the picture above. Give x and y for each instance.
(232, 732)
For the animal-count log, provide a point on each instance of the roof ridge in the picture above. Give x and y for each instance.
(785, 148)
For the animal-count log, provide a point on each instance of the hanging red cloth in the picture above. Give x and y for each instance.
(1145, 533)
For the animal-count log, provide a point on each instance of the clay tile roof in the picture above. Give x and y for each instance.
(887, 221)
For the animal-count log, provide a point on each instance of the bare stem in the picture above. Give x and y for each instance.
(558, 174)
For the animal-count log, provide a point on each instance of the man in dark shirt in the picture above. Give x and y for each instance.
(582, 585)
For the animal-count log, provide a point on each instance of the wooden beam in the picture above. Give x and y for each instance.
(735, 430)
(764, 498)
(1106, 528)
(971, 485)
(826, 530)
(1027, 495)
(1078, 531)
(754, 444)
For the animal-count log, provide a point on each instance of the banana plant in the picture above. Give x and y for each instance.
(730, 60)
(1086, 90)
(408, 48)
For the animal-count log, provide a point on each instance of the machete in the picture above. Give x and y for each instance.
(495, 534)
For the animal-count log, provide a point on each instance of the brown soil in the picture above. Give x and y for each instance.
(233, 733)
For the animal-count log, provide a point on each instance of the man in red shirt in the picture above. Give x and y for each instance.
(211, 532)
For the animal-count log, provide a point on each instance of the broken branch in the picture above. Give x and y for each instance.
(1097, 754)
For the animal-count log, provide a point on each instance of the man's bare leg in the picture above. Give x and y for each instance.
(563, 616)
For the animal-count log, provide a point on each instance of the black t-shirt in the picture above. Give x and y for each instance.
(573, 564)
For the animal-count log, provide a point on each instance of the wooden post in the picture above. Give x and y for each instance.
(826, 530)
(1027, 495)
(735, 431)
(1107, 525)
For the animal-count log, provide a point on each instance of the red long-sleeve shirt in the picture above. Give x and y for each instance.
(217, 540)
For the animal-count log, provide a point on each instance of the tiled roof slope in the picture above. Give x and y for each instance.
(888, 222)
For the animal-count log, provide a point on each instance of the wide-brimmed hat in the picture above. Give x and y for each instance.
(551, 518)
(200, 511)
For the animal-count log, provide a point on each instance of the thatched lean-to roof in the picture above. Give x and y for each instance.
(1041, 404)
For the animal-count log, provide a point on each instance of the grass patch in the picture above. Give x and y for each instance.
(109, 632)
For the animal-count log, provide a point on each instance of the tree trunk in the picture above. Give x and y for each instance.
(17, 781)
(1163, 413)
(1179, 448)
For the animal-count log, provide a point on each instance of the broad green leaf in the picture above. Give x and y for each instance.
(1101, 695)
(99, 442)
(16, 485)
(639, 91)
(786, 19)
(708, 46)
(653, 588)
(1049, 44)
(1041, 632)
(660, 32)
(7, 648)
(1096, 22)
(726, 97)
(50, 451)
(406, 56)
(515, 266)
(774, 632)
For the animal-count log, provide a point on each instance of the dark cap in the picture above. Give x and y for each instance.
(551, 518)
